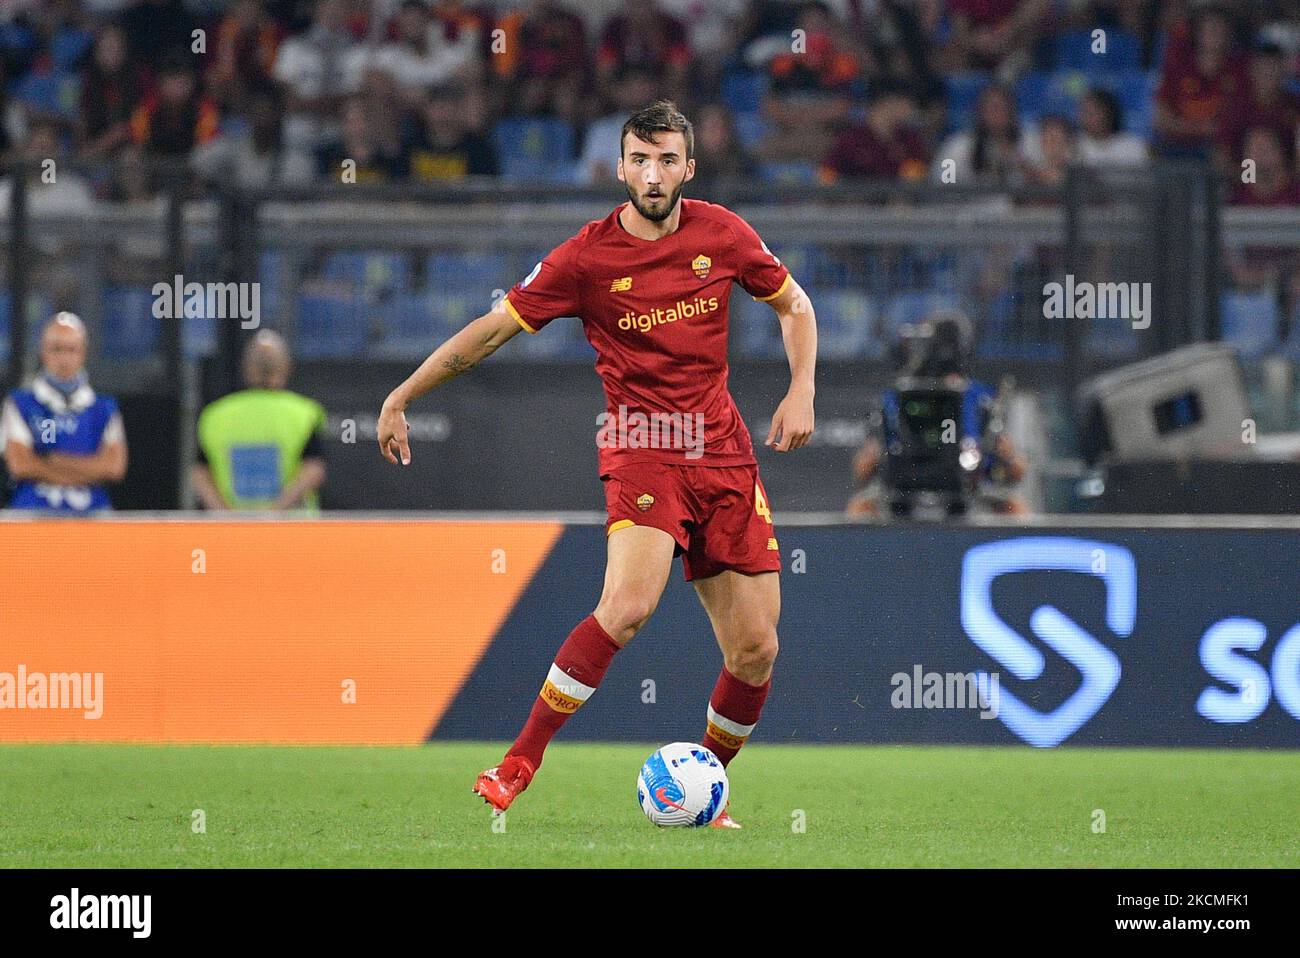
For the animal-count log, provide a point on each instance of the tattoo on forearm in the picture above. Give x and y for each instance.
(457, 364)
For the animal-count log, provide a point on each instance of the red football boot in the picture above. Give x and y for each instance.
(501, 785)
(724, 820)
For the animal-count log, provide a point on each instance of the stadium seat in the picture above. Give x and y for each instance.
(1111, 339)
(368, 271)
(273, 277)
(963, 94)
(535, 148)
(53, 92)
(1248, 320)
(128, 328)
(68, 46)
(330, 326)
(1291, 348)
(751, 129)
(411, 326)
(1134, 90)
(1074, 52)
(561, 341)
(1040, 94)
(743, 90)
(788, 172)
(475, 272)
(912, 307)
(847, 323)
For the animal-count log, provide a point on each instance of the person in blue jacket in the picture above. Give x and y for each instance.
(62, 441)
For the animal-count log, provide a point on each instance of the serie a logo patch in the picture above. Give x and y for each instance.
(701, 266)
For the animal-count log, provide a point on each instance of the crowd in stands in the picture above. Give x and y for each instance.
(1005, 92)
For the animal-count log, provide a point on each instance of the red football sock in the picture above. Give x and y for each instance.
(734, 708)
(579, 666)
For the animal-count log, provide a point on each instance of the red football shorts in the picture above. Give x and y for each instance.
(718, 515)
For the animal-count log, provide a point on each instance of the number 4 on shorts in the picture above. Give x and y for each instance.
(760, 504)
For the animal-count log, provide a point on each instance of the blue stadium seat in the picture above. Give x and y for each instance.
(1041, 94)
(754, 327)
(55, 92)
(411, 326)
(1074, 52)
(369, 271)
(912, 307)
(751, 129)
(743, 90)
(330, 325)
(963, 94)
(4, 325)
(68, 46)
(1291, 348)
(273, 268)
(561, 340)
(847, 323)
(1134, 90)
(1248, 320)
(788, 172)
(474, 271)
(128, 329)
(1112, 339)
(535, 148)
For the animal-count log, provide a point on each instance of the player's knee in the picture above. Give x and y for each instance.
(623, 614)
(753, 653)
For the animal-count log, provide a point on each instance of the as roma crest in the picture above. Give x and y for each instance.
(701, 265)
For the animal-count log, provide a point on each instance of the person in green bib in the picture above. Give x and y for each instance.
(262, 448)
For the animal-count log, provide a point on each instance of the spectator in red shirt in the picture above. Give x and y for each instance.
(644, 37)
(1275, 182)
(886, 146)
(811, 88)
(544, 62)
(1265, 267)
(994, 34)
(247, 40)
(176, 117)
(111, 89)
(1271, 103)
(1204, 79)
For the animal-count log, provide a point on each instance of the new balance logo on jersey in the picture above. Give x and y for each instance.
(682, 309)
(621, 285)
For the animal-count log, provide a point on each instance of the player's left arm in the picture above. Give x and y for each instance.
(792, 423)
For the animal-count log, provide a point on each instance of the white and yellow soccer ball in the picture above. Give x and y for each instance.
(682, 784)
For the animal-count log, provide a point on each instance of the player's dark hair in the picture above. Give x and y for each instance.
(662, 116)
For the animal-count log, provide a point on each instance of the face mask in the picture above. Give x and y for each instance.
(67, 386)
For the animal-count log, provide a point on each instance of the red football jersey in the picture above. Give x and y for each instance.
(656, 313)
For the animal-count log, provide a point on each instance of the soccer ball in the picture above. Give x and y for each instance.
(682, 784)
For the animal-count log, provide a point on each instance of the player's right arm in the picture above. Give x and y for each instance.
(550, 291)
(462, 352)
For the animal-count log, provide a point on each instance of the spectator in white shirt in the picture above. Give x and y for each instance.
(319, 69)
(1102, 141)
(426, 53)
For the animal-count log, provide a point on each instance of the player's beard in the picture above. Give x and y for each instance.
(663, 212)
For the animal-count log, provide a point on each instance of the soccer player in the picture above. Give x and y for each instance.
(650, 283)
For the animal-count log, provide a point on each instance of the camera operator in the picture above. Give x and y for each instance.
(939, 434)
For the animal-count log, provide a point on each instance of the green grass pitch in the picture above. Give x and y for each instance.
(133, 806)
